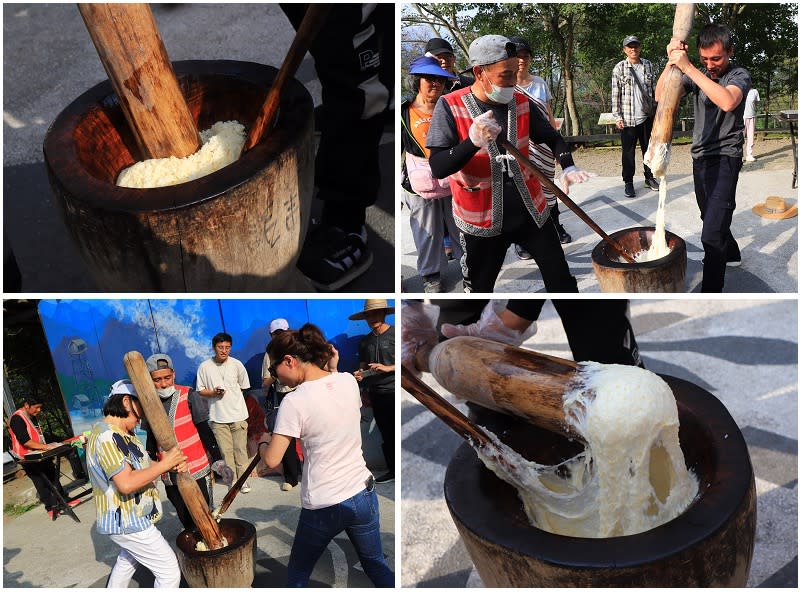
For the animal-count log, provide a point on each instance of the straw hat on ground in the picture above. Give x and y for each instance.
(775, 208)
(371, 305)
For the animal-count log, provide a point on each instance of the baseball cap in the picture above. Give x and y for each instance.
(278, 324)
(159, 362)
(426, 65)
(521, 44)
(123, 387)
(436, 46)
(491, 49)
(630, 39)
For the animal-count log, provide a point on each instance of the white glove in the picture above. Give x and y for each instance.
(490, 326)
(573, 174)
(418, 330)
(484, 129)
(224, 471)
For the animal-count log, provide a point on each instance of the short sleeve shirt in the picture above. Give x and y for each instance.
(232, 376)
(717, 133)
(380, 349)
(325, 415)
(279, 386)
(750, 103)
(108, 450)
(539, 90)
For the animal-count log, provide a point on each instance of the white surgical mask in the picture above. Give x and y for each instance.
(499, 94)
(166, 393)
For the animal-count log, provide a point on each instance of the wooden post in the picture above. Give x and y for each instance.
(657, 157)
(165, 435)
(312, 23)
(137, 64)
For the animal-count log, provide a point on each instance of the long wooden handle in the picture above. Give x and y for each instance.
(165, 436)
(544, 180)
(669, 98)
(233, 492)
(130, 47)
(505, 378)
(454, 419)
(312, 23)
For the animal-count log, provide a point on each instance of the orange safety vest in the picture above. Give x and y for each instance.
(186, 434)
(478, 187)
(18, 448)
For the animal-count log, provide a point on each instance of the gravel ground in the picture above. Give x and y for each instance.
(772, 154)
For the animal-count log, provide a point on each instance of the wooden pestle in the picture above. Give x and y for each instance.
(670, 95)
(503, 378)
(130, 47)
(165, 436)
(310, 26)
(237, 487)
(556, 190)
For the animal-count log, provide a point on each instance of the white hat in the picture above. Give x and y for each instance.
(123, 387)
(278, 325)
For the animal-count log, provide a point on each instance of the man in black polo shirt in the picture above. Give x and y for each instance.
(717, 142)
(376, 374)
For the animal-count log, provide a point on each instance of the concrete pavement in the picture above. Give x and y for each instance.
(769, 247)
(49, 60)
(38, 553)
(743, 352)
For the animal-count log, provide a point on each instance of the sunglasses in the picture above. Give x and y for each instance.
(272, 369)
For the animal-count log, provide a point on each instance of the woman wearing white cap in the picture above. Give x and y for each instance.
(124, 491)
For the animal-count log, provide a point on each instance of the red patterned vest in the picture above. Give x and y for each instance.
(18, 448)
(478, 187)
(186, 434)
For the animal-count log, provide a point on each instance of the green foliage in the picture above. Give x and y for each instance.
(575, 45)
(29, 368)
(18, 509)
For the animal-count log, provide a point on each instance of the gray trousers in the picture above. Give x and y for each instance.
(428, 220)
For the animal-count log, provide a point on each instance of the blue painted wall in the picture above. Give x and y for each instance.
(87, 338)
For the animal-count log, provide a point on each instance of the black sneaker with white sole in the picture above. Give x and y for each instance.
(332, 258)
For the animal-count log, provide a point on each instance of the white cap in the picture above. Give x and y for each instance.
(123, 387)
(278, 324)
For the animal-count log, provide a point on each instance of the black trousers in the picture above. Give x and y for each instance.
(354, 59)
(715, 180)
(383, 410)
(631, 135)
(485, 255)
(40, 473)
(597, 330)
(174, 496)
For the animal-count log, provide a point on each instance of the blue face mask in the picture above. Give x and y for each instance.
(499, 94)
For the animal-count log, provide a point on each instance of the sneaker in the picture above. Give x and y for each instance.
(750, 159)
(629, 192)
(522, 253)
(287, 487)
(245, 488)
(385, 478)
(652, 183)
(564, 236)
(332, 258)
(734, 262)
(432, 285)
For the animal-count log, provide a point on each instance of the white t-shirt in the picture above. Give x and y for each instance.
(325, 415)
(750, 103)
(232, 376)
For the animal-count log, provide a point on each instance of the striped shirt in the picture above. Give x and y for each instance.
(108, 450)
(625, 91)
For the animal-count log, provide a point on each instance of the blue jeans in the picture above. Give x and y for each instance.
(359, 517)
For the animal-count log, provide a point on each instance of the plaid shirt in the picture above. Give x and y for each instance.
(622, 85)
